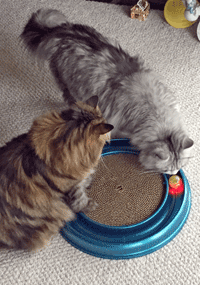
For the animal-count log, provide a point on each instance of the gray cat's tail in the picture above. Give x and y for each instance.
(40, 33)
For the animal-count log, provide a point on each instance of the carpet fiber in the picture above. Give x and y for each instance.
(27, 90)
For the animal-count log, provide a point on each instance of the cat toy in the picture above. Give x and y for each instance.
(140, 11)
(122, 241)
(176, 185)
(192, 10)
(181, 13)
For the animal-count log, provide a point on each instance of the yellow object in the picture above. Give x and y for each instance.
(174, 14)
(175, 181)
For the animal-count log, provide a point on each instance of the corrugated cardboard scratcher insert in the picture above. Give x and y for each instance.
(124, 193)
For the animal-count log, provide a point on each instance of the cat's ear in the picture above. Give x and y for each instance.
(161, 154)
(103, 128)
(187, 143)
(92, 101)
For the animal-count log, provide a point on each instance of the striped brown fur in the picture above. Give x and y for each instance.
(44, 174)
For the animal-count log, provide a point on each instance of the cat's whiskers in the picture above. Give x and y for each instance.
(188, 157)
(151, 172)
(108, 169)
(148, 172)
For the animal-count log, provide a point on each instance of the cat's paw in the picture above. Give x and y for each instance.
(72, 216)
(83, 204)
(91, 206)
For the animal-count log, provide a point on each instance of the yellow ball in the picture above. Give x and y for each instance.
(175, 181)
(174, 14)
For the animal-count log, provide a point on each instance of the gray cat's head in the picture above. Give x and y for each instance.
(168, 155)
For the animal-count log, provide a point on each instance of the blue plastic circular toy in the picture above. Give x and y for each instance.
(136, 240)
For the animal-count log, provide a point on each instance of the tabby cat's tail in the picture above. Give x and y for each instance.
(40, 33)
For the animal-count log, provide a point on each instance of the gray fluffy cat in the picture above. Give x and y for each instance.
(132, 98)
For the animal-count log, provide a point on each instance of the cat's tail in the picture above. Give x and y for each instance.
(40, 34)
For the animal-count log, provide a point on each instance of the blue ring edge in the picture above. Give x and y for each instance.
(144, 247)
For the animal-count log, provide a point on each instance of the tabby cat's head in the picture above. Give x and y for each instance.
(71, 141)
(168, 155)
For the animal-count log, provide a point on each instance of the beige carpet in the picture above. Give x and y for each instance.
(27, 90)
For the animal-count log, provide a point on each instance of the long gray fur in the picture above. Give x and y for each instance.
(131, 97)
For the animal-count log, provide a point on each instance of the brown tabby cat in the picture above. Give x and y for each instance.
(44, 174)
